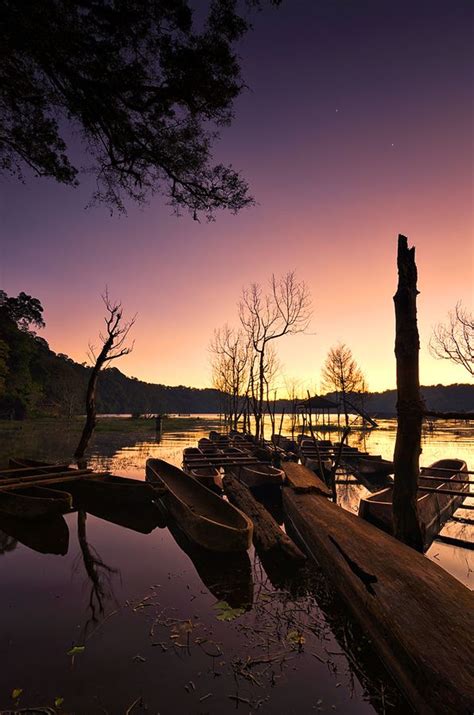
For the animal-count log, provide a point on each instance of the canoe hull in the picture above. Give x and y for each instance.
(259, 476)
(433, 509)
(34, 503)
(201, 514)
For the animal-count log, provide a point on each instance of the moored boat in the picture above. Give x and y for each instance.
(206, 518)
(107, 487)
(259, 475)
(433, 508)
(34, 502)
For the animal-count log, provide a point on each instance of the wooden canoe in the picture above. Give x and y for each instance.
(260, 475)
(34, 502)
(107, 488)
(206, 518)
(209, 476)
(433, 509)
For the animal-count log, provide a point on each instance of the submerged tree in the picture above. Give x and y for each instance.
(143, 83)
(230, 362)
(113, 347)
(454, 340)
(284, 310)
(341, 374)
(406, 459)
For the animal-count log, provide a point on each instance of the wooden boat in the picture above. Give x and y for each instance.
(209, 476)
(259, 475)
(433, 509)
(206, 518)
(36, 467)
(373, 471)
(113, 490)
(108, 488)
(34, 502)
(205, 442)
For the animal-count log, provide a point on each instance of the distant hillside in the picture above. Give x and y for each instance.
(35, 380)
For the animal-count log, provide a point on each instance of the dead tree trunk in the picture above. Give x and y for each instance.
(91, 417)
(112, 348)
(409, 403)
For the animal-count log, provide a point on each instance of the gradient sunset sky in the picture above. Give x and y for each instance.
(356, 127)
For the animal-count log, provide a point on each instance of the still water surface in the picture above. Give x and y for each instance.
(146, 612)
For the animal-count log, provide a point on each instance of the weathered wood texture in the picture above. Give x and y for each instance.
(419, 618)
(409, 402)
(267, 535)
(302, 479)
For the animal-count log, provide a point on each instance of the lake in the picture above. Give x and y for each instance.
(123, 621)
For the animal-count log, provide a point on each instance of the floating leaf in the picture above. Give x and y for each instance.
(226, 612)
(296, 638)
(76, 650)
(58, 702)
(16, 692)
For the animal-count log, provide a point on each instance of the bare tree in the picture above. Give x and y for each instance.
(284, 310)
(455, 340)
(113, 347)
(341, 374)
(230, 362)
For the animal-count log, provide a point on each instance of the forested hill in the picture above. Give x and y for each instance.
(35, 380)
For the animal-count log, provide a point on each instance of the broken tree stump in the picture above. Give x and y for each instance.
(267, 535)
(406, 525)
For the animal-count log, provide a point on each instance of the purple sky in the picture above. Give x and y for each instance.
(356, 127)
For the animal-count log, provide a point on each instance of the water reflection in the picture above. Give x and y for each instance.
(293, 650)
(7, 543)
(100, 576)
(46, 536)
(227, 576)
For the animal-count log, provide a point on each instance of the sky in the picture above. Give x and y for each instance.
(355, 127)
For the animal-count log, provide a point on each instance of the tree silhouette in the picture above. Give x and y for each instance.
(113, 347)
(342, 374)
(454, 341)
(143, 83)
(266, 317)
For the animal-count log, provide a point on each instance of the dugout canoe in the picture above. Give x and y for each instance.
(259, 475)
(34, 502)
(207, 519)
(433, 509)
(107, 488)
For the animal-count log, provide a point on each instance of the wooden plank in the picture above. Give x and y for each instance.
(451, 492)
(453, 541)
(301, 479)
(419, 618)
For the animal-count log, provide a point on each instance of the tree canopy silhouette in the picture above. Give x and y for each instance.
(144, 83)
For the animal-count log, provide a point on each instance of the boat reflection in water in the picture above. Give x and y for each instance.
(228, 576)
(47, 536)
(143, 518)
